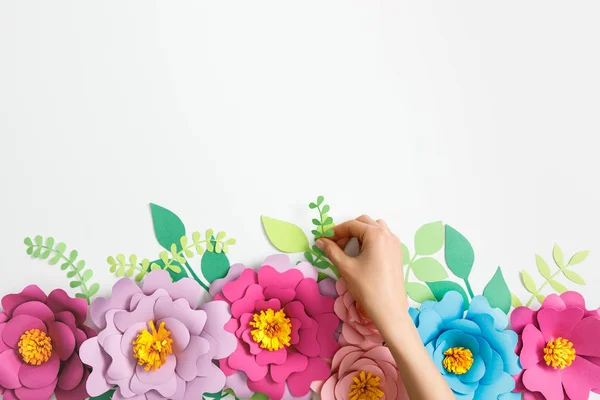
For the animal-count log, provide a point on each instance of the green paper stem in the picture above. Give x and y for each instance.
(84, 288)
(541, 287)
(469, 289)
(408, 267)
(196, 277)
(332, 267)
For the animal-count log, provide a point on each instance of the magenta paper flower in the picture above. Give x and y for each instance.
(363, 374)
(39, 342)
(559, 349)
(357, 328)
(154, 343)
(284, 325)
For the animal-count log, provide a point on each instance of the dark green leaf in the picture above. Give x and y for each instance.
(71, 273)
(81, 296)
(322, 276)
(28, 241)
(318, 251)
(308, 256)
(105, 396)
(419, 292)
(439, 289)
(65, 265)
(312, 205)
(75, 284)
(316, 233)
(29, 250)
(214, 266)
(328, 221)
(168, 227)
(497, 292)
(459, 253)
(316, 222)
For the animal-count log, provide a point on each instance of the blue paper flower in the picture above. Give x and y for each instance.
(474, 352)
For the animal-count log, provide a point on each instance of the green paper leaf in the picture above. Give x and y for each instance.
(559, 287)
(496, 292)
(285, 236)
(515, 301)
(578, 257)
(325, 210)
(439, 289)
(557, 254)
(28, 242)
(177, 274)
(419, 292)
(540, 298)
(528, 282)
(93, 289)
(429, 238)
(320, 200)
(542, 266)
(105, 396)
(405, 254)
(168, 227)
(459, 253)
(87, 275)
(312, 206)
(429, 269)
(322, 276)
(75, 284)
(214, 266)
(573, 276)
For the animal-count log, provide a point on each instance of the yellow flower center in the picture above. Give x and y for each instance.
(35, 347)
(458, 360)
(365, 386)
(272, 329)
(559, 353)
(152, 348)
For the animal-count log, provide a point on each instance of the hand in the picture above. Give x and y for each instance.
(375, 277)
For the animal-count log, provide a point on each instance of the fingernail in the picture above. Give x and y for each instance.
(319, 243)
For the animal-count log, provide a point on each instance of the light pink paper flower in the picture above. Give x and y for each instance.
(375, 369)
(39, 343)
(561, 319)
(291, 292)
(198, 337)
(357, 328)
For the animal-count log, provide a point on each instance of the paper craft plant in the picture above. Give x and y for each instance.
(289, 331)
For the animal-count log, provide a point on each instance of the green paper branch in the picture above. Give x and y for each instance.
(550, 277)
(459, 257)
(289, 238)
(76, 271)
(172, 260)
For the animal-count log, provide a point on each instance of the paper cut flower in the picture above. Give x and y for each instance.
(363, 374)
(559, 349)
(357, 328)
(284, 327)
(154, 343)
(474, 352)
(39, 341)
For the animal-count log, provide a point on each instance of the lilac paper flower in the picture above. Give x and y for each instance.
(154, 343)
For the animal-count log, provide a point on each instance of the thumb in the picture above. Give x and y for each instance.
(334, 252)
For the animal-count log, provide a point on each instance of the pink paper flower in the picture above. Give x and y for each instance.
(559, 349)
(154, 343)
(284, 325)
(357, 373)
(39, 342)
(357, 328)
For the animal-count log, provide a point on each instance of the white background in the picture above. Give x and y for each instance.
(482, 114)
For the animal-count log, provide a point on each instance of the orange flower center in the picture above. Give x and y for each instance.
(152, 348)
(35, 347)
(365, 386)
(272, 331)
(559, 353)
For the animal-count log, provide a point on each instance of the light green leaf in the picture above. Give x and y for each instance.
(320, 200)
(28, 241)
(459, 253)
(542, 266)
(497, 293)
(429, 238)
(528, 282)
(573, 276)
(75, 284)
(540, 298)
(557, 254)
(405, 254)
(578, 257)
(285, 236)
(214, 266)
(180, 273)
(168, 227)
(559, 287)
(87, 275)
(429, 269)
(515, 301)
(419, 292)
(439, 289)
(93, 289)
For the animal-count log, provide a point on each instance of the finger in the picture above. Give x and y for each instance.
(366, 219)
(335, 253)
(350, 229)
(343, 242)
(382, 224)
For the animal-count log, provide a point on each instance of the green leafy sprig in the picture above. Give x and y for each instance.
(76, 270)
(550, 277)
(173, 259)
(290, 238)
